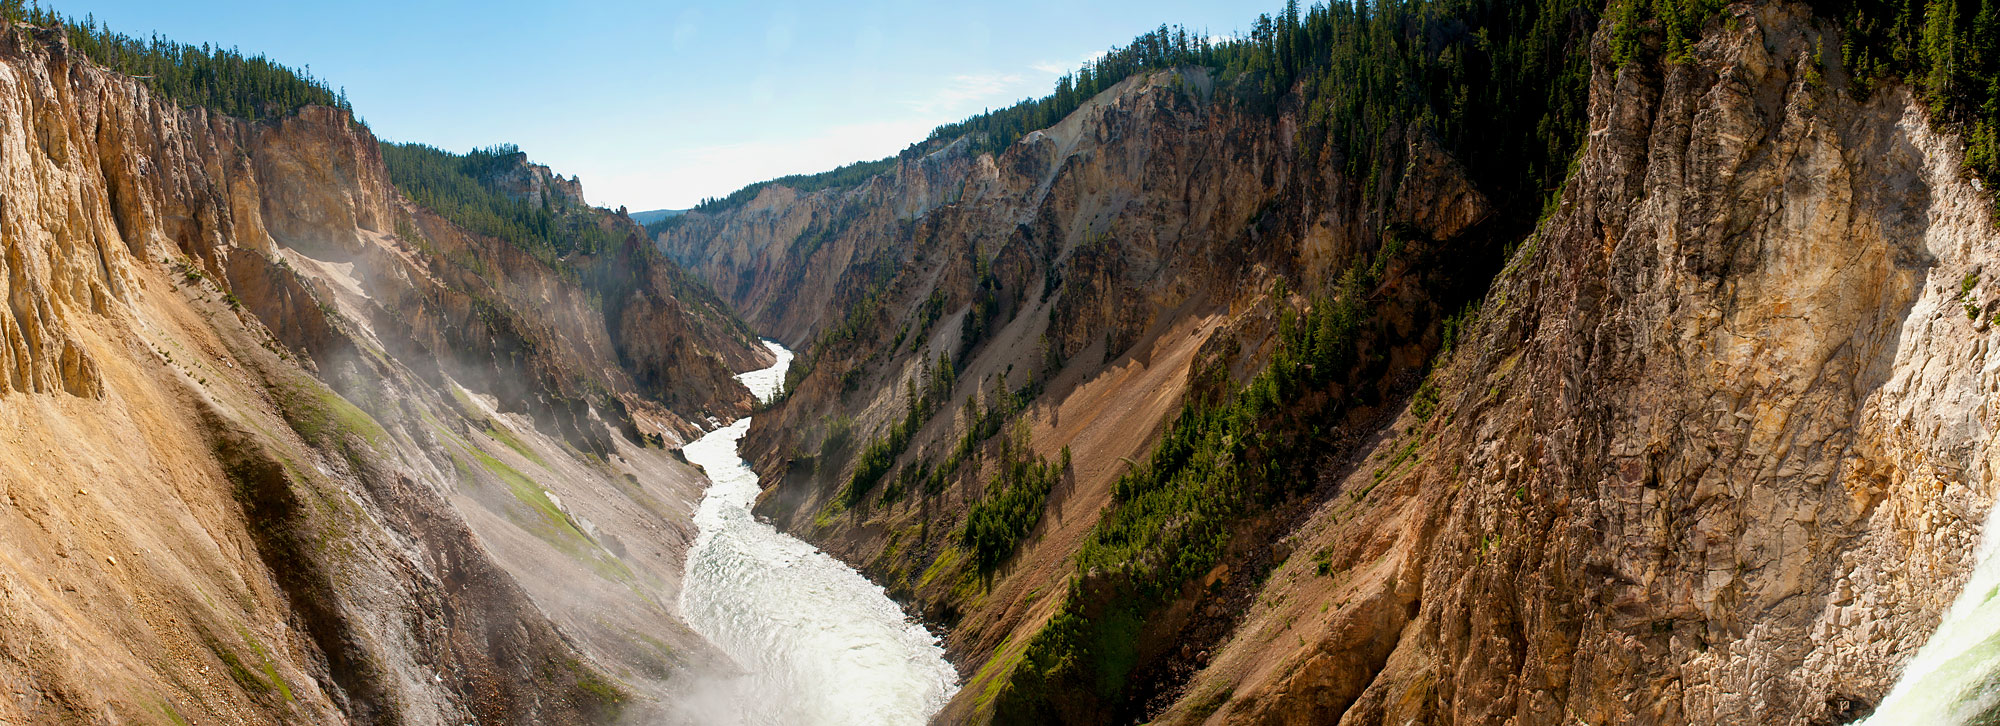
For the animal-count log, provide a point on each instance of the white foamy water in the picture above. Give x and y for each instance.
(1955, 678)
(821, 644)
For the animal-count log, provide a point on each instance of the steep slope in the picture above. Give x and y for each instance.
(991, 336)
(784, 258)
(282, 447)
(1715, 452)
(1706, 451)
(1066, 282)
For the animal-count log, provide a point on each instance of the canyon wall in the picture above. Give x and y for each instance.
(282, 447)
(1716, 452)
(1706, 445)
(1083, 271)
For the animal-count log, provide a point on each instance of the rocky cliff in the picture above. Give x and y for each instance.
(1715, 452)
(282, 447)
(539, 185)
(1071, 283)
(1706, 446)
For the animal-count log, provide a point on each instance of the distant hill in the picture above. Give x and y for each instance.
(655, 215)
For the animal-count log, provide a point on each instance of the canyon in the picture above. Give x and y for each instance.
(1710, 447)
(1575, 362)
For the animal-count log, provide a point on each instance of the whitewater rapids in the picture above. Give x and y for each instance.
(820, 644)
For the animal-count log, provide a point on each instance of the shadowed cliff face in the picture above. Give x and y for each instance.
(282, 447)
(1716, 453)
(1711, 453)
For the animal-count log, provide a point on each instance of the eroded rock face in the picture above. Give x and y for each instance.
(1102, 260)
(1713, 454)
(782, 259)
(1718, 455)
(281, 447)
(536, 184)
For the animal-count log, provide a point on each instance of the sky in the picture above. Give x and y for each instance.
(659, 105)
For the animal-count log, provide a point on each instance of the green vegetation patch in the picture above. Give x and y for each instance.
(599, 688)
(550, 523)
(1208, 702)
(502, 434)
(322, 416)
(173, 716)
(946, 562)
(1013, 504)
(1220, 457)
(588, 688)
(922, 400)
(250, 680)
(269, 665)
(1676, 24)
(995, 672)
(529, 493)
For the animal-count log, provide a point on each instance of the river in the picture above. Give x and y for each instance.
(820, 644)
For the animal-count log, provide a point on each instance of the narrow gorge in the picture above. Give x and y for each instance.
(1414, 362)
(819, 642)
(1696, 436)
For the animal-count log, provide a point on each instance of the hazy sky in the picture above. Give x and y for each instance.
(657, 105)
